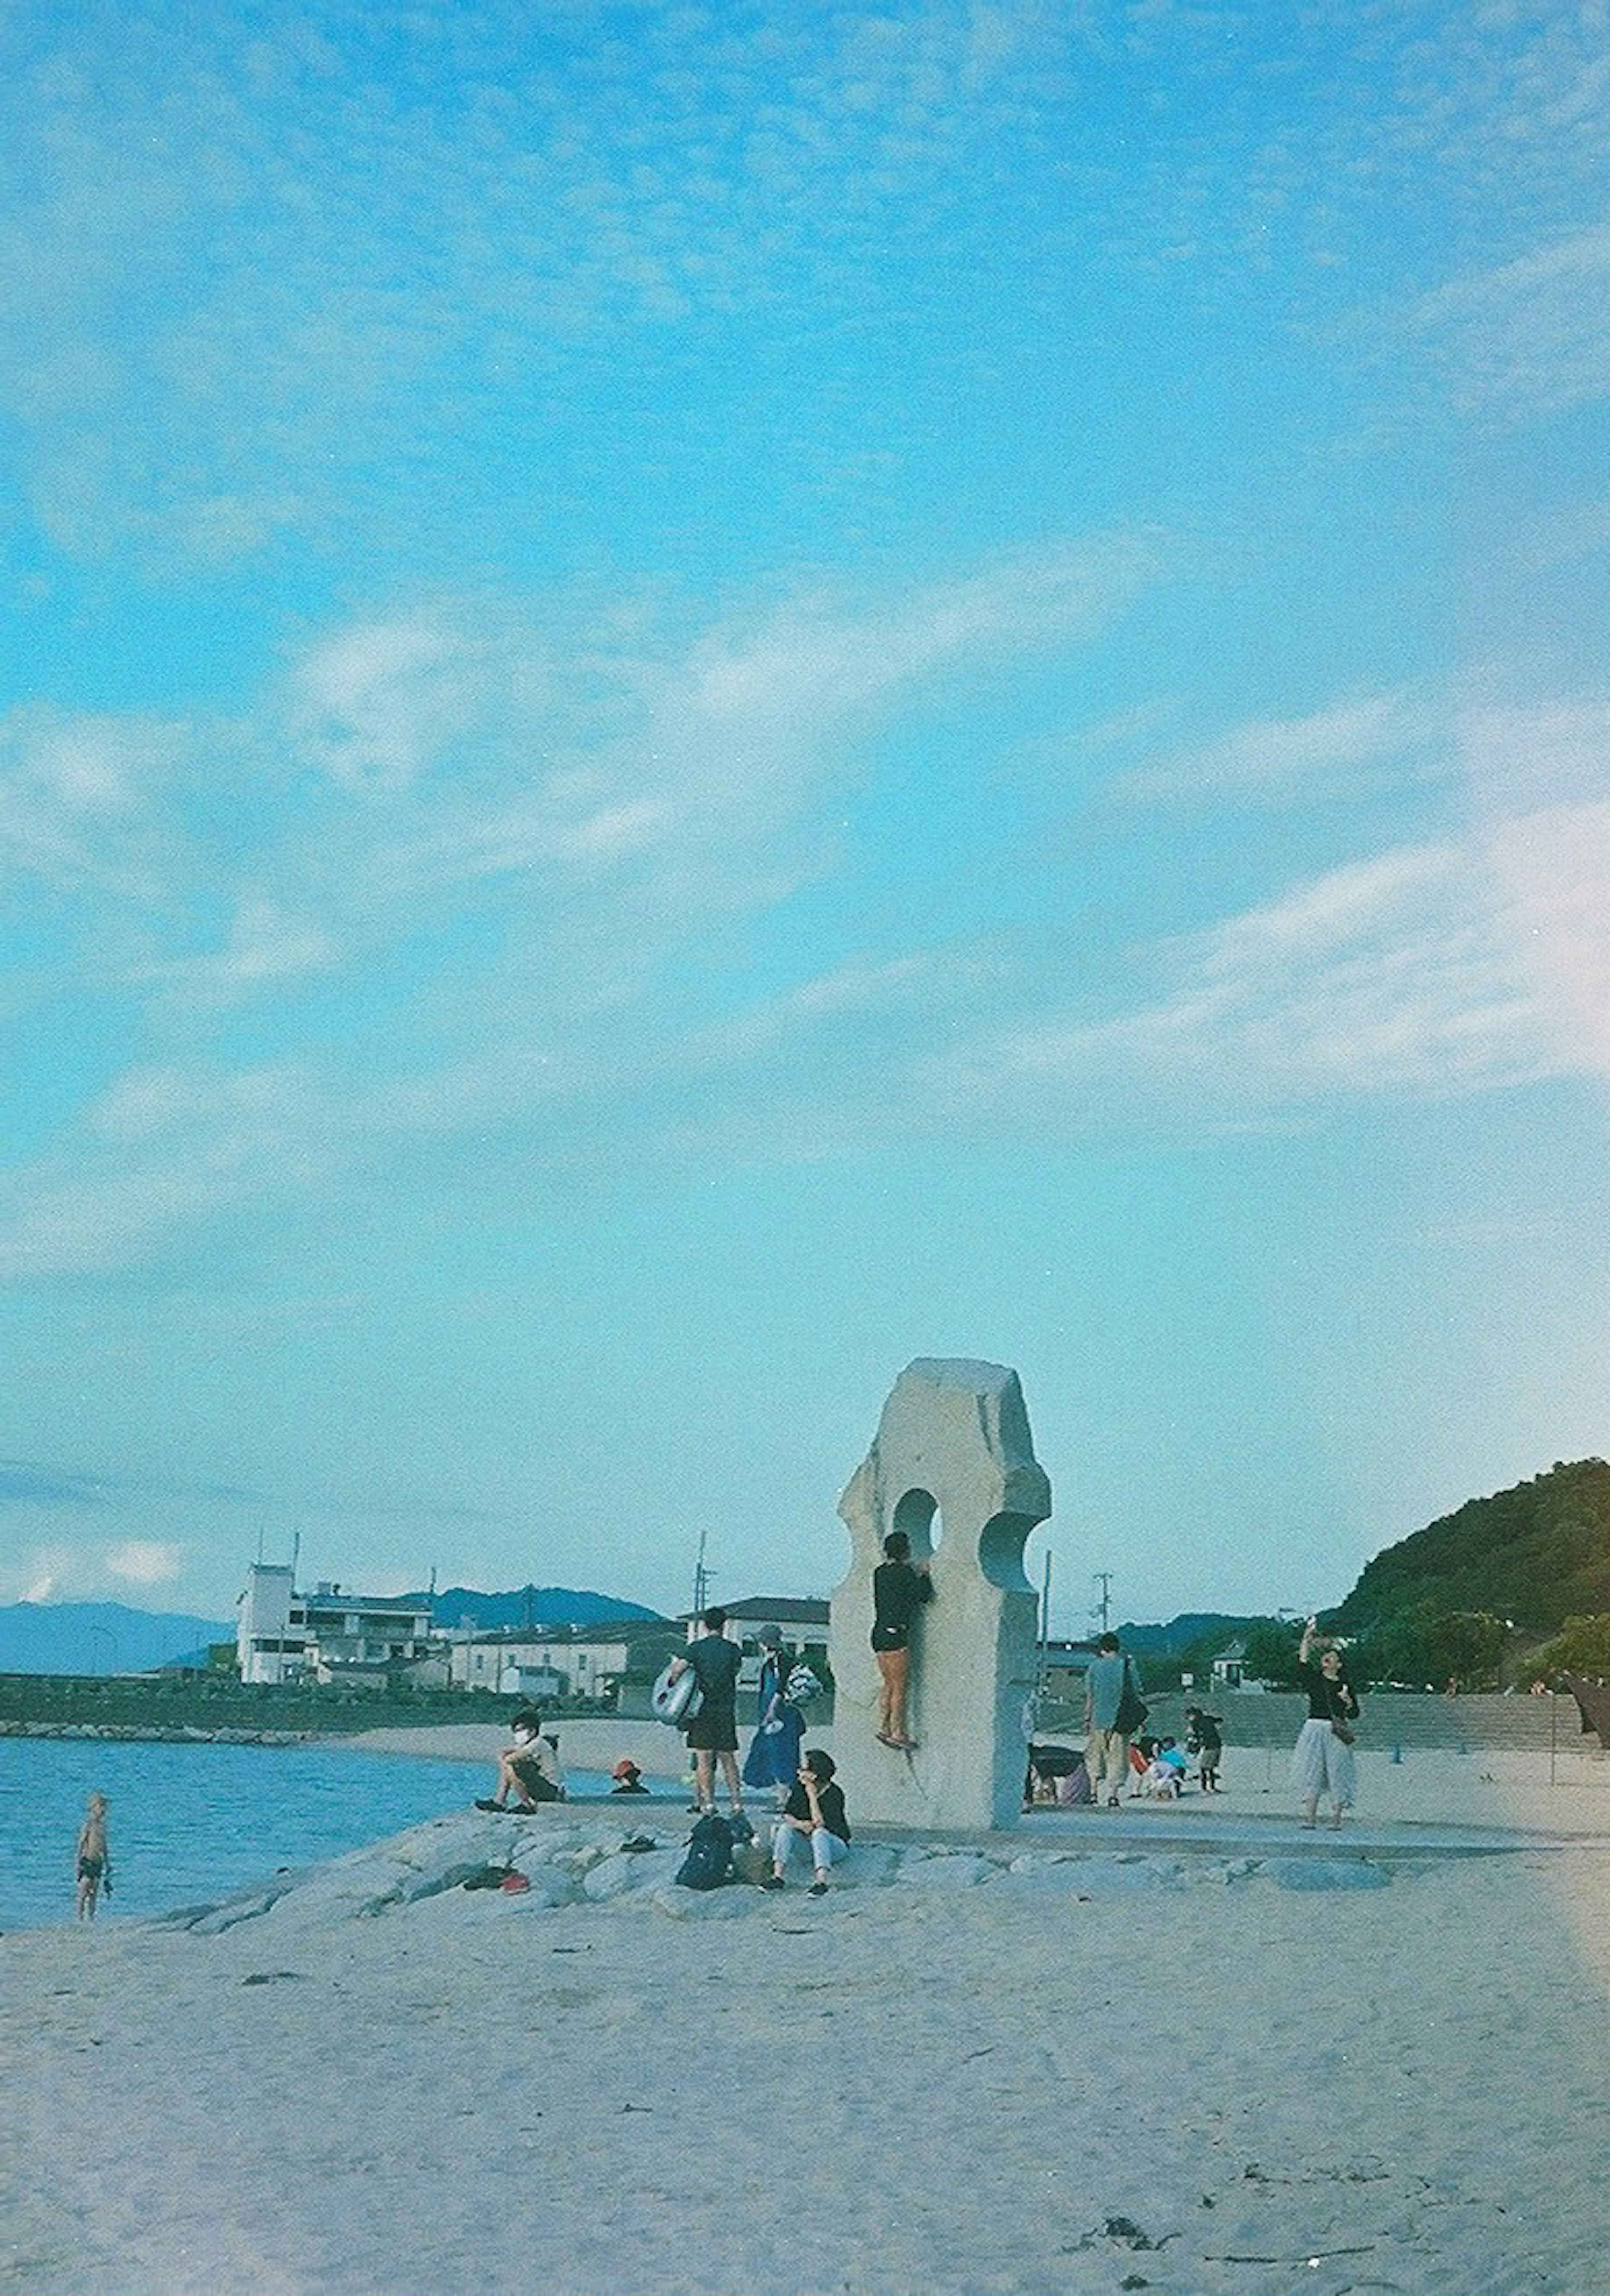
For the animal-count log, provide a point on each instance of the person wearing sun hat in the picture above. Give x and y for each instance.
(773, 1758)
(628, 1777)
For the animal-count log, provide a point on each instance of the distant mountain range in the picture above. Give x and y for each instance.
(1179, 1634)
(101, 1639)
(112, 1638)
(526, 1606)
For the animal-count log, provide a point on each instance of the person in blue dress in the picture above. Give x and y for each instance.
(773, 1752)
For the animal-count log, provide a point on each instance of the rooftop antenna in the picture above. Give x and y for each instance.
(296, 1549)
(1104, 1604)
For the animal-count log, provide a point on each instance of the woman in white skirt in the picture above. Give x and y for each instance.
(1323, 1760)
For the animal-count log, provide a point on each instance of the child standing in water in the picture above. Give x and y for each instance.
(94, 1855)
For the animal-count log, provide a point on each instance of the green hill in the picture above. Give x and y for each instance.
(1535, 1555)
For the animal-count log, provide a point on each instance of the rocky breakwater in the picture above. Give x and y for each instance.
(174, 1734)
(487, 1867)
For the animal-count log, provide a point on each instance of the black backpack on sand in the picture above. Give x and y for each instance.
(708, 1860)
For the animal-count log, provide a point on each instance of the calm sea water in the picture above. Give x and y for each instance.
(189, 1824)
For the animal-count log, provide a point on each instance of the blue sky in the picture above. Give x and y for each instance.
(700, 698)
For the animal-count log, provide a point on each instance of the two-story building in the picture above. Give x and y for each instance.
(331, 1634)
(803, 1621)
(538, 1662)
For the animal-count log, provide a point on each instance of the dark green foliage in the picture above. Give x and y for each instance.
(1581, 1647)
(1271, 1651)
(1427, 1649)
(1534, 1556)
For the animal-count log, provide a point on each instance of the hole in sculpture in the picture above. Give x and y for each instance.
(917, 1515)
(1000, 1551)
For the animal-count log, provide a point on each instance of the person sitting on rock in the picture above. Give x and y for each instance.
(814, 1812)
(530, 1770)
(628, 1777)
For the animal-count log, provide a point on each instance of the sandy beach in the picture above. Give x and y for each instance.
(1195, 2051)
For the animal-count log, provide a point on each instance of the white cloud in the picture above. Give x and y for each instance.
(1528, 338)
(574, 813)
(77, 798)
(1553, 868)
(1279, 758)
(379, 701)
(146, 1561)
(265, 948)
(1432, 971)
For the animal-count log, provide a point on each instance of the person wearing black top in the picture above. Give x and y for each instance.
(1204, 1738)
(814, 1812)
(713, 1732)
(899, 1589)
(1323, 1760)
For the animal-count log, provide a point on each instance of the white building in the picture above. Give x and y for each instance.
(802, 1618)
(538, 1662)
(330, 1635)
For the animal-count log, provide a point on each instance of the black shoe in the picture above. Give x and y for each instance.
(774, 1881)
(489, 1805)
(817, 1889)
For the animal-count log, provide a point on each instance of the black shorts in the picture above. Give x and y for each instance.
(890, 1638)
(714, 1729)
(531, 1780)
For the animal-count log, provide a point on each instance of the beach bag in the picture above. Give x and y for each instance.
(1074, 1789)
(802, 1683)
(676, 1702)
(708, 1860)
(752, 1861)
(1132, 1708)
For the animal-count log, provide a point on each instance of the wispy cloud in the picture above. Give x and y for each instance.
(1275, 758)
(509, 849)
(1432, 970)
(1526, 338)
(24, 1484)
(1386, 976)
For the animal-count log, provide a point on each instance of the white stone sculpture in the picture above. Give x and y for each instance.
(952, 1466)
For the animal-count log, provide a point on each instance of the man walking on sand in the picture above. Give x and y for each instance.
(1111, 1680)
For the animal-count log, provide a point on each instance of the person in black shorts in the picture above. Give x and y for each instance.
(92, 1857)
(714, 1728)
(899, 1589)
(528, 1771)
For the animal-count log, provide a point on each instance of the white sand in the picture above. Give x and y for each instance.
(1129, 2063)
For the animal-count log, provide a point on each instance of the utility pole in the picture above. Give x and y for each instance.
(702, 1578)
(1104, 1601)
